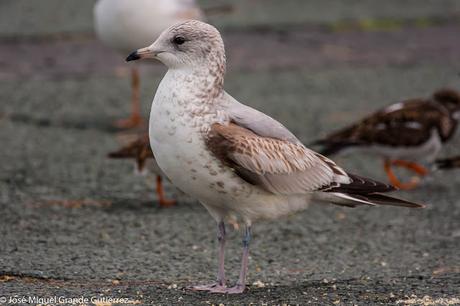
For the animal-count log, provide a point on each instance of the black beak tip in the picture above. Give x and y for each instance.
(133, 56)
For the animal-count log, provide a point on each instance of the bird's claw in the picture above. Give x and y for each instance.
(232, 290)
(215, 287)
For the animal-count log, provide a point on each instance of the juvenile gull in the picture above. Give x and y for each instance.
(405, 133)
(238, 162)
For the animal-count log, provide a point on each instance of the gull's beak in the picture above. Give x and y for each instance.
(147, 52)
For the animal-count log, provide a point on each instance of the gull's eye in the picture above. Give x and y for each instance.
(178, 40)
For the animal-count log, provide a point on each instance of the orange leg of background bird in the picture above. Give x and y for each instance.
(161, 194)
(135, 119)
(420, 170)
(414, 167)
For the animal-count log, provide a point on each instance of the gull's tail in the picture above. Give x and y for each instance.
(363, 191)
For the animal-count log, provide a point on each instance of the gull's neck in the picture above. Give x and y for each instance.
(203, 82)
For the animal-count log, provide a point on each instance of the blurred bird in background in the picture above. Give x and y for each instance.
(405, 134)
(448, 163)
(140, 151)
(125, 25)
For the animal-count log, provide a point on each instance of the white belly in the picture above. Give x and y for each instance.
(179, 147)
(179, 123)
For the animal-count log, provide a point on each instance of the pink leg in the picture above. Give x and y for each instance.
(220, 283)
(241, 284)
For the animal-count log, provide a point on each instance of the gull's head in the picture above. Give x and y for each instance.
(187, 44)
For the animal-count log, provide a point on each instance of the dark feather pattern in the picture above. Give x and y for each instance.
(139, 150)
(448, 163)
(283, 167)
(406, 124)
(360, 186)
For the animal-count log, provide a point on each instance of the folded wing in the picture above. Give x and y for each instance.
(288, 168)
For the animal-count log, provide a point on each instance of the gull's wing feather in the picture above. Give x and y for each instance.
(258, 122)
(287, 167)
(276, 165)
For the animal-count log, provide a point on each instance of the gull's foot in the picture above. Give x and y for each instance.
(233, 290)
(133, 121)
(215, 287)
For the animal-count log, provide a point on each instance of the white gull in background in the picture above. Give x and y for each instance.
(125, 25)
(238, 162)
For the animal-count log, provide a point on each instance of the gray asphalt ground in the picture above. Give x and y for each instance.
(75, 224)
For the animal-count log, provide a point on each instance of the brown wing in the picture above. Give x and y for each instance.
(408, 123)
(284, 167)
(278, 166)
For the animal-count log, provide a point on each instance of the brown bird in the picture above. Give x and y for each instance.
(448, 163)
(140, 151)
(405, 134)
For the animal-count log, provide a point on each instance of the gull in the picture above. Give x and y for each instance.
(405, 134)
(140, 151)
(125, 25)
(238, 162)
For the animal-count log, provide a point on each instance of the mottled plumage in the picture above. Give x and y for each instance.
(404, 134)
(395, 129)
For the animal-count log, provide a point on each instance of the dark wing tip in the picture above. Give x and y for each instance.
(362, 185)
(383, 199)
(371, 191)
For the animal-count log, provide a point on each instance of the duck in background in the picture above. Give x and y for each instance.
(125, 25)
(405, 134)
